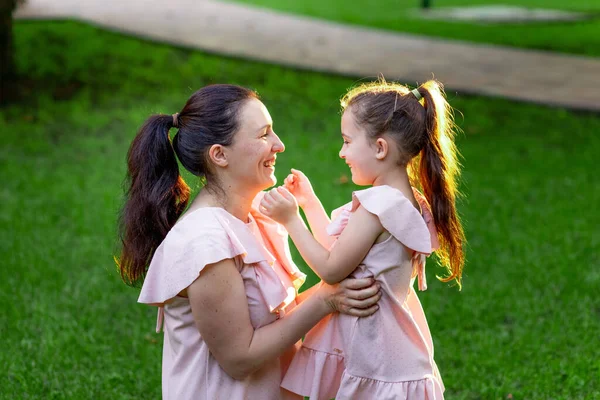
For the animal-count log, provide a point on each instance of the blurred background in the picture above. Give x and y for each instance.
(79, 78)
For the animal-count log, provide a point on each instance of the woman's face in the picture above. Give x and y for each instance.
(254, 149)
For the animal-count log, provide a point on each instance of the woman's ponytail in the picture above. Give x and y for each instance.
(156, 196)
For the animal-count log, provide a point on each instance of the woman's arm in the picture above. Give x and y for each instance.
(220, 309)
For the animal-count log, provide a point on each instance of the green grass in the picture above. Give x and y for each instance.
(581, 37)
(526, 322)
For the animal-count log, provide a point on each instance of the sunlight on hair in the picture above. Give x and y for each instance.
(435, 169)
(378, 86)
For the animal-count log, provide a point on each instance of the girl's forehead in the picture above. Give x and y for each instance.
(349, 124)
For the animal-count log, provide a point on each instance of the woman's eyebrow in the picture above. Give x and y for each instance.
(262, 128)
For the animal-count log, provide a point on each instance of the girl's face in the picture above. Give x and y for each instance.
(358, 151)
(254, 149)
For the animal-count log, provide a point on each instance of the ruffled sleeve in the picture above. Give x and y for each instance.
(204, 237)
(339, 220)
(399, 217)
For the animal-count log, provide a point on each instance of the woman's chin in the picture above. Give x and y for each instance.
(268, 183)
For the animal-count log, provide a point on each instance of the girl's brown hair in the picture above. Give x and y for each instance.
(156, 193)
(424, 132)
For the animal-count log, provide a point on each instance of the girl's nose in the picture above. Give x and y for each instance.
(341, 153)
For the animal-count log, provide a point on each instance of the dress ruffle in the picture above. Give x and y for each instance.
(392, 207)
(209, 235)
(313, 373)
(357, 388)
(276, 241)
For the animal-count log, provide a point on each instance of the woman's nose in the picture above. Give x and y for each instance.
(278, 146)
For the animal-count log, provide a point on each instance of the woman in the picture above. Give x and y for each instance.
(220, 273)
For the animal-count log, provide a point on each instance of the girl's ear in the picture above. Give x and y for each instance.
(382, 148)
(218, 156)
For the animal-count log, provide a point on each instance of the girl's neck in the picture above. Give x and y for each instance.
(396, 178)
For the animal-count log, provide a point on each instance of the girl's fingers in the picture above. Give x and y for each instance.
(264, 207)
(285, 193)
(298, 173)
(275, 195)
(267, 199)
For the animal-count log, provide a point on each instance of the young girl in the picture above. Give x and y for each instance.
(394, 139)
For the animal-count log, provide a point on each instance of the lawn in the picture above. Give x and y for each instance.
(525, 324)
(581, 37)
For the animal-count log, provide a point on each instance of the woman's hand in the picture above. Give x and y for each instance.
(280, 205)
(356, 297)
(298, 184)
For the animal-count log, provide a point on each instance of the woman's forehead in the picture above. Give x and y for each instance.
(255, 115)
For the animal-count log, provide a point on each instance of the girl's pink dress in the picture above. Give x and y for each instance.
(261, 253)
(388, 355)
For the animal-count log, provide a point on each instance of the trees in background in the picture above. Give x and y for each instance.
(7, 64)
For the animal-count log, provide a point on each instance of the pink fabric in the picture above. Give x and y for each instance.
(388, 355)
(202, 237)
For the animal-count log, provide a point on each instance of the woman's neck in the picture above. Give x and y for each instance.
(235, 202)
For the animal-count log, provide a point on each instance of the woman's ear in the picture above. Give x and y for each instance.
(218, 156)
(382, 148)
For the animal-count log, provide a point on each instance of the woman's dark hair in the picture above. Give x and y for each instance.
(424, 134)
(156, 194)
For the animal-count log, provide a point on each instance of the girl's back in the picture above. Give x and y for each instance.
(388, 355)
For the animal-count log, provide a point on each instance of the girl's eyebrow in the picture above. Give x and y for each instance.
(345, 136)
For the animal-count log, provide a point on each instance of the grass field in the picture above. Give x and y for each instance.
(581, 37)
(525, 324)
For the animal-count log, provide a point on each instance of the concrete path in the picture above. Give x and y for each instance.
(255, 33)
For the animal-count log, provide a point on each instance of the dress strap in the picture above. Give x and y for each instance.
(418, 264)
(159, 319)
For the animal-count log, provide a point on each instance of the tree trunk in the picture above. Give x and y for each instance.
(7, 66)
(8, 75)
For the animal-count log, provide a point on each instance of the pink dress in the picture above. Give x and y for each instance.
(261, 253)
(388, 355)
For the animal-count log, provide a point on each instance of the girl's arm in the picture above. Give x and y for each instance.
(299, 185)
(318, 220)
(350, 249)
(220, 309)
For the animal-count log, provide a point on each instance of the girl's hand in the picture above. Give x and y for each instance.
(356, 297)
(298, 184)
(280, 205)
